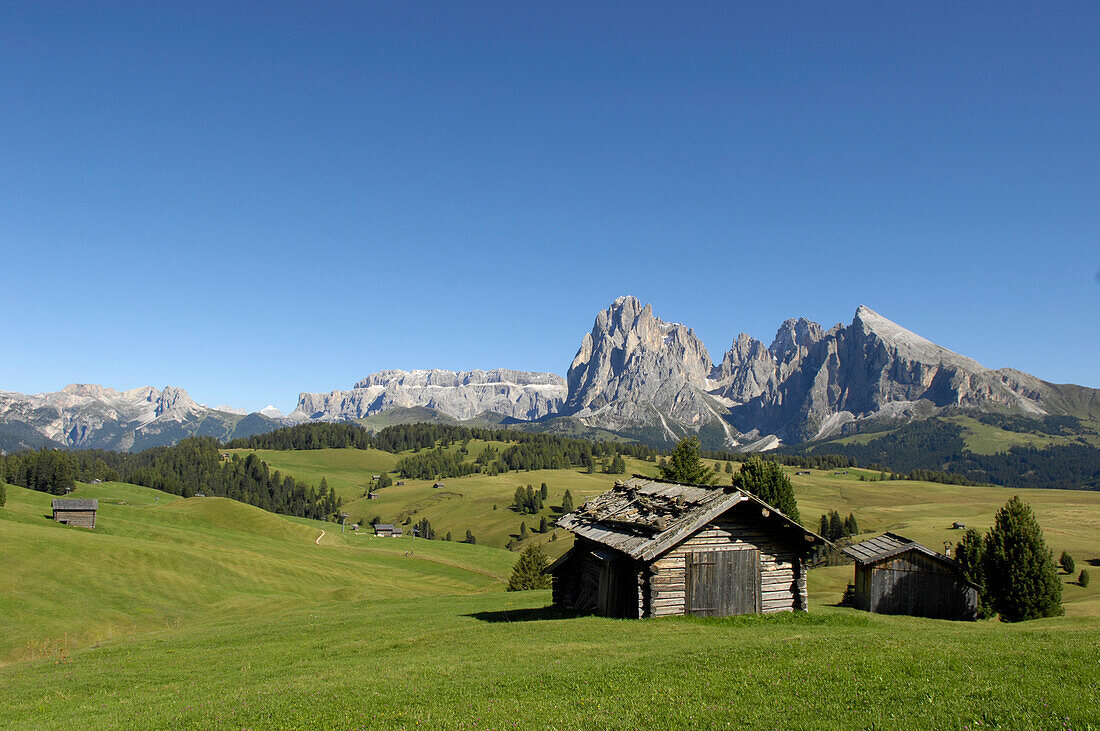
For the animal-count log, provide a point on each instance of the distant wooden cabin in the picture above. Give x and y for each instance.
(386, 529)
(400, 483)
(648, 548)
(80, 513)
(438, 485)
(895, 575)
(958, 526)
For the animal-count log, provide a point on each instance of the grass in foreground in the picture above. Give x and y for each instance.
(503, 661)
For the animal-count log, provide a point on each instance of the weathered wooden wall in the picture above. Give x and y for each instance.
(782, 584)
(78, 518)
(915, 584)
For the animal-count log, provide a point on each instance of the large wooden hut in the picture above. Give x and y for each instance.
(80, 513)
(895, 575)
(648, 548)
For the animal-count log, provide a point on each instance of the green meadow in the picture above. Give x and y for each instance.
(207, 613)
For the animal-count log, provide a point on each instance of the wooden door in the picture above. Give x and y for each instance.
(721, 583)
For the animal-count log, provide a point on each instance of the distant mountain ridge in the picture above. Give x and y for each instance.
(633, 377)
(88, 416)
(462, 395)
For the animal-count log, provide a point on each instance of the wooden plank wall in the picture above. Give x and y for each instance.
(915, 584)
(782, 571)
(79, 518)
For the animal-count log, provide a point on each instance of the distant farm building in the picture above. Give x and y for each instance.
(386, 529)
(438, 485)
(80, 513)
(371, 496)
(958, 526)
(400, 483)
(648, 548)
(895, 575)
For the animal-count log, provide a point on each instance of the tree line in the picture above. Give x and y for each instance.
(194, 466)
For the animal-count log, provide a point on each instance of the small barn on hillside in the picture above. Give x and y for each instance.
(895, 575)
(386, 529)
(648, 548)
(80, 513)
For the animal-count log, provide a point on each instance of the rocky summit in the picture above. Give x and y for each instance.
(634, 371)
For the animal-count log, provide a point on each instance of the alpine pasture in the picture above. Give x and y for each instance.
(204, 612)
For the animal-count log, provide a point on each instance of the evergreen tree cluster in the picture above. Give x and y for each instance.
(1013, 566)
(833, 527)
(528, 501)
(437, 462)
(317, 435)
(193, 466)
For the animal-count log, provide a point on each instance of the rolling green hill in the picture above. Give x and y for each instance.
(204, 612)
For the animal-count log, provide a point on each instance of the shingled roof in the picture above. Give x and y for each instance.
(643, 517)
(886, 546)
(63, 504)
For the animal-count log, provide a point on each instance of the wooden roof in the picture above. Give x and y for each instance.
(887, 546)
(643, 517)
(384, 526)
(73, 504)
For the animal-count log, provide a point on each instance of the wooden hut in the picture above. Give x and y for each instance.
(80, 513)
(386, 529)
(648, 548)
(895, 575)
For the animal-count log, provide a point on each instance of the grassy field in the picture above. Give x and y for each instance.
(212, 614)
(923, 511)
(157, 561)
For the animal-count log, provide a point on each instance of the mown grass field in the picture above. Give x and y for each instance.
(206, 613)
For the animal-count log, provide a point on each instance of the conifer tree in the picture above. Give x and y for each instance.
(470, 537)
(1066, 562)
(544, 492)
(567, 502)
(1020, 576)
(542, 525)
(684, 465)
(770, 483)
(729, 468)
(523, 531)
(968, 554)
(529, 572)
(1083, 579)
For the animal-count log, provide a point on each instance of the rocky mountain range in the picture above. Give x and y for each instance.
(462, 395)
(96, 417)
(634, 375)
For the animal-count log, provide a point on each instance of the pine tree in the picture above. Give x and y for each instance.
(618, 465)
(519, 504)
(1083, 579)
(448, 538)
(968, 554)
(770, 483)
(529, 571)
(684, 465)
(522, 531)
(544, 492)
(1020, 576)
(851, 527)
(823, 531)
(531, 501)
(542, 525)
(729, 468)
(470, 537)
(1066, 562)
(567, 502)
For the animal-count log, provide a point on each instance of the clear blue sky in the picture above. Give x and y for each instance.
(249, 200)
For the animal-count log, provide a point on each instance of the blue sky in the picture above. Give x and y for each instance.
(249, 200)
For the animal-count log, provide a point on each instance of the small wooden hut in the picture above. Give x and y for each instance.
(80, 513)
(386, 529)
(648, 548)
(895, 575)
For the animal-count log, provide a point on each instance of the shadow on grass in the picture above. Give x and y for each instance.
(1094, 562)
(523, 615)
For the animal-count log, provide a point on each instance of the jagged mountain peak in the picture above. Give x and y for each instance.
(794, 337)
